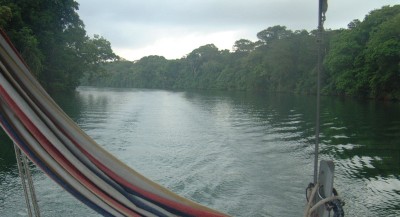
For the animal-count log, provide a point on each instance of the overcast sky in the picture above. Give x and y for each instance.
(173, 28)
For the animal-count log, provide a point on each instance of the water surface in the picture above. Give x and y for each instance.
(241, 153)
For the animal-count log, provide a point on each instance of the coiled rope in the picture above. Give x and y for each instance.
(333, 202)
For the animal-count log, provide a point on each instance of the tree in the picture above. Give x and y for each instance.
(361, 61)
(341, 63)
(353, 24)
(273, 33)
(244, 45)
(94, 52)
(364, 59)
(198, 57)
(51, 37)
(5, 15)
(383, 59)
(149, 72)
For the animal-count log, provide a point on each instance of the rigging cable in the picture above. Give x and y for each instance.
(333, 202)
(27, 183)
(323, 6)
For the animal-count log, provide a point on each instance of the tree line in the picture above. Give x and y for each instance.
(362, 60)
(52, 40)
(277, 62)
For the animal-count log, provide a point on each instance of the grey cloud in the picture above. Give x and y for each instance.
(196, 13)
(134, 23)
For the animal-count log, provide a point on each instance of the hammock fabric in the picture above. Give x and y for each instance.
(70, 157)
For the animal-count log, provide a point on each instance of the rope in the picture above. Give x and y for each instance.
(23, 181)
(27, 183)
(322, 202)
(307, 212)
(30, 185)
(334, 202)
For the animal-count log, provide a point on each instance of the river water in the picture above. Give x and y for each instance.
(241, 153)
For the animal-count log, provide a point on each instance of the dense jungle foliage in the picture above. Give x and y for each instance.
(362, 60)
(51, 38)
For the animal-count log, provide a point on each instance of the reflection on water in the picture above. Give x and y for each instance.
(241, 153)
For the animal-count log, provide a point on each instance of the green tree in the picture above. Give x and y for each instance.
(197, 63)
(149, 72)
(342, 64)
(353, 24)
(5, 15)
(51, 37)
(244, 45)
(95, 52)
(363, 60)
(273, 33)
(382, 59)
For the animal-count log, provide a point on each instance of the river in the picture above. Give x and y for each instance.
(244, 154)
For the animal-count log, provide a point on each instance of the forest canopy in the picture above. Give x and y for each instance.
(52, 40)
(362, 60)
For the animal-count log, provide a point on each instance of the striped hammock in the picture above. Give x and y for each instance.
(39, 127)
